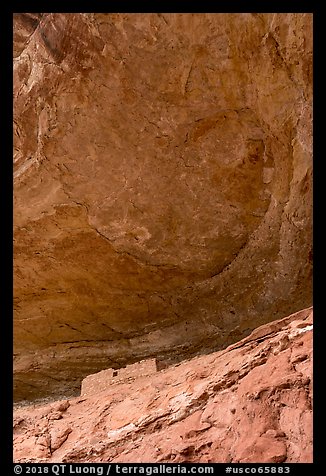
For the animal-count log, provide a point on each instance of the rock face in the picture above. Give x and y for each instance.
(162, 186)
(248, 403)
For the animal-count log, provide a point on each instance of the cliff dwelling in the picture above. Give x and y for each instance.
(163, 237)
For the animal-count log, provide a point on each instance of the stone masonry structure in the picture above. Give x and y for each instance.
(99, 381)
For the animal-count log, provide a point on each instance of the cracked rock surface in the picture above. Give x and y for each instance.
(249, 403)
(162, 186)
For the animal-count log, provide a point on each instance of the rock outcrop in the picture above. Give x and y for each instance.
(162, 186)
(249, 403)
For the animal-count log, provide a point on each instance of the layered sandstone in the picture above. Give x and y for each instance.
(250, 403)
(162, 186)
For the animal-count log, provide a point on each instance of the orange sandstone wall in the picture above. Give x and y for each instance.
(163, 186)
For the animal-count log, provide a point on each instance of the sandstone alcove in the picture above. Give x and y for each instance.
(163, 187)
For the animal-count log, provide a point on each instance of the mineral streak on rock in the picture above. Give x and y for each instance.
(162, 186)
(249, 403)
